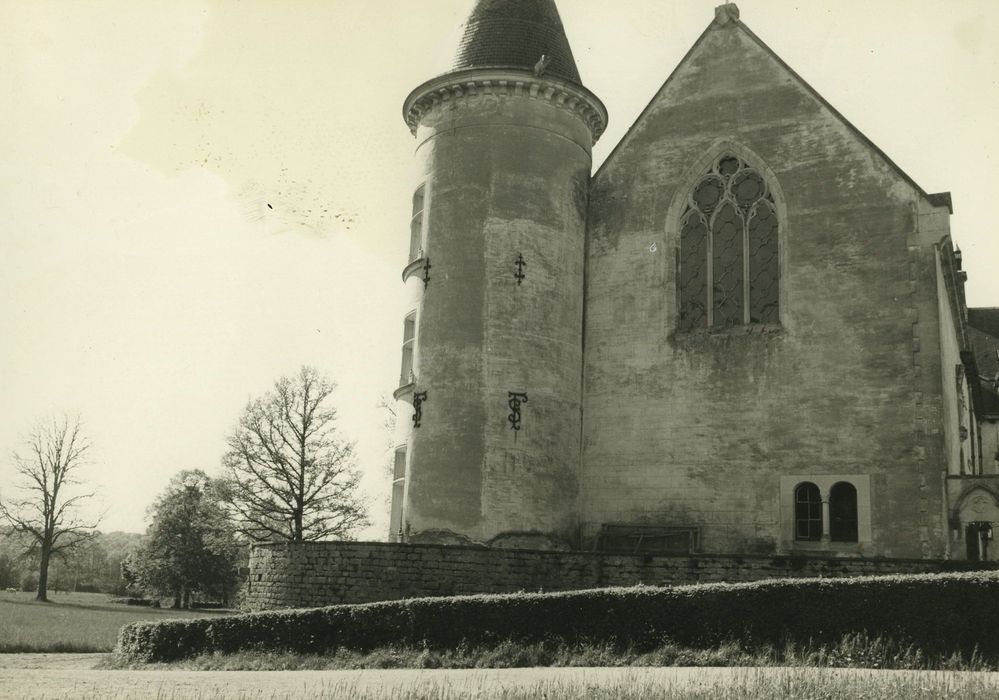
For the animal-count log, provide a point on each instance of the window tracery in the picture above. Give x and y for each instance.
(728, 260)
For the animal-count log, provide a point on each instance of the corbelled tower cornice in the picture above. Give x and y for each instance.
(452, 88)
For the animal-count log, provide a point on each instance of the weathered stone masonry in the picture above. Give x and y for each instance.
(593, 296)
(328, 573)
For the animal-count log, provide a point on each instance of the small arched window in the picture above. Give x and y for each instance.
(807, 513)
(843, 512)
(728, 261)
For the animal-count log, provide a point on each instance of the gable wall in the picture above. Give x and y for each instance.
(956, 392)
(700, 429)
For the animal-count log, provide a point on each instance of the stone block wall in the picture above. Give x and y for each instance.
(328, 573)
(696, 428)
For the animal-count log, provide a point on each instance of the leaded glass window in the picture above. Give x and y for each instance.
(728, 260)
(807, 513)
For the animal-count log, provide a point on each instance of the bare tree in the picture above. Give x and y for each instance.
(387, 405)
(47, 514)
(289, 475)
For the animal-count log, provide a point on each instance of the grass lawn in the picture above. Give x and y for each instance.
(70, 622)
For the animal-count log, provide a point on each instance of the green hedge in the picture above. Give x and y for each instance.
(131, 600)
(936, 612)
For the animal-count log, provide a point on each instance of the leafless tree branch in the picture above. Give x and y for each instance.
(289, 474)
(55, 451)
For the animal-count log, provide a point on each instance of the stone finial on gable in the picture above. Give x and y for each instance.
(729, 12)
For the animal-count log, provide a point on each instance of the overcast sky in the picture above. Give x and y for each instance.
(146, 285)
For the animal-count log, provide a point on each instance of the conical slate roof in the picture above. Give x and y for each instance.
(515, 34)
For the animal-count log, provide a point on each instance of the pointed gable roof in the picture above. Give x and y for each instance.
(515, 34)
(726, 17)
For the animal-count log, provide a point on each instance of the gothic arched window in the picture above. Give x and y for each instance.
(729, 266)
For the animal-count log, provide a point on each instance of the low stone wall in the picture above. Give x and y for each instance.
(326, 573)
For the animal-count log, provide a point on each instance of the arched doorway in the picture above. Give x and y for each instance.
(978, 514)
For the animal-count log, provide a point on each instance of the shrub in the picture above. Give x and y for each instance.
(934, 612)
(146, 602)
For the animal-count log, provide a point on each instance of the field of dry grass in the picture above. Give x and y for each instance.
(69, 622)
(507, 684)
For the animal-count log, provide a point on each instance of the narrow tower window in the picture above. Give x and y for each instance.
(408, 338)
(416, 224)
(728, 260)
(843, 512)
(398, 490)
(807, 513)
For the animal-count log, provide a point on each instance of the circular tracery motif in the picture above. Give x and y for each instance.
(707, 194)
(728, 165)
(747, 187)
(728, 249)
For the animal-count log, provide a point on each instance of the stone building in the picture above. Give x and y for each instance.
(745, 333)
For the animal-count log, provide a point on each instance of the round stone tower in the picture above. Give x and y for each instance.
(493, 349)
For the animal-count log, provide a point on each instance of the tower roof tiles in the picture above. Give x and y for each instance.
(515, 34)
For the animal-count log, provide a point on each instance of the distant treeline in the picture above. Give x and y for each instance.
(94, 567)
